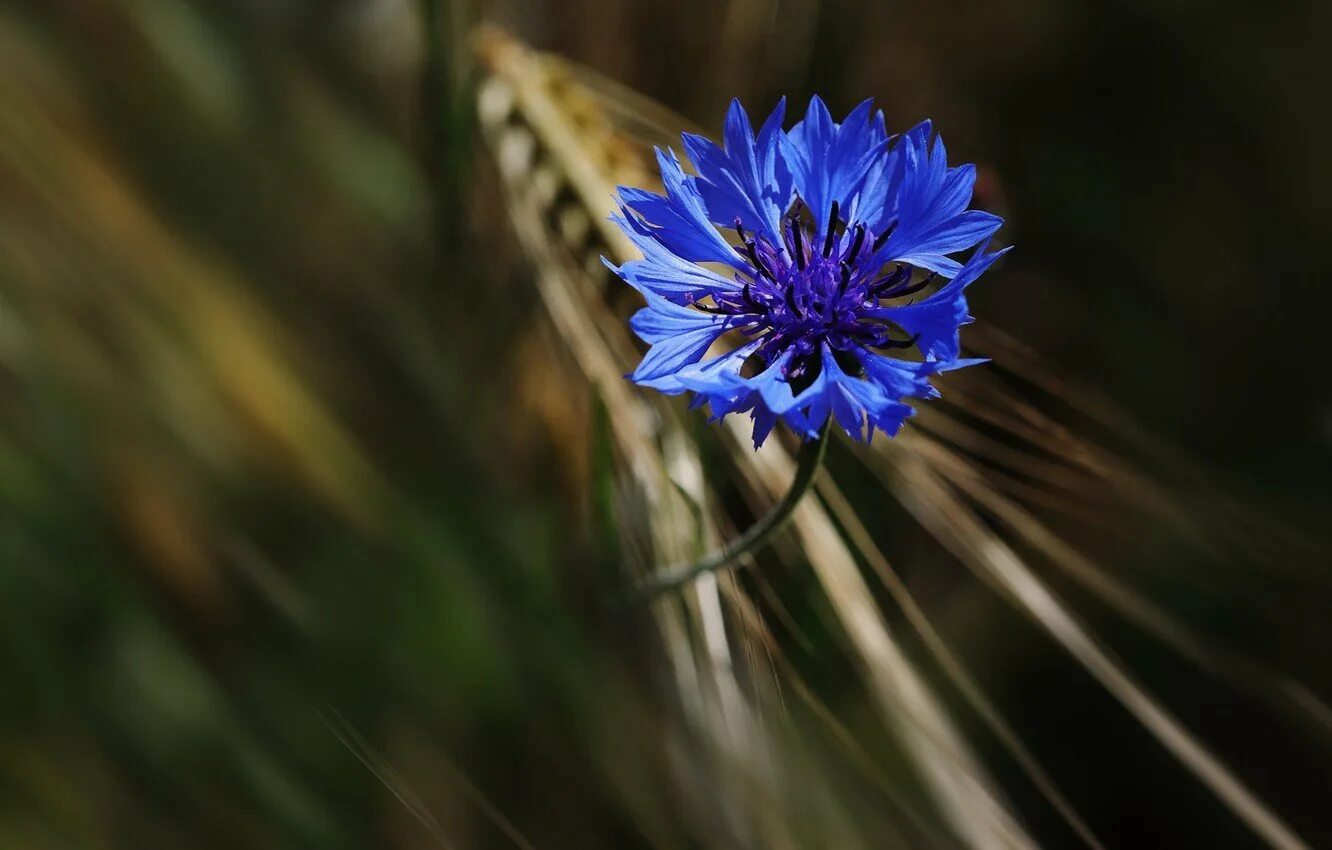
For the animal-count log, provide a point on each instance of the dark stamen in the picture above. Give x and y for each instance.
(832, 224)
(799, 246)
(740, 230)
(883, 237)
(912, 289)
(845, 281)
(791, 301)
(751, 250)
(749, 297)
(860, 240)
(899, 275)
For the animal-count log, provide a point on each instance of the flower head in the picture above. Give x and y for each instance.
(838, 282)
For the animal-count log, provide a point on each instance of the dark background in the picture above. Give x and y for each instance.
(273, 474)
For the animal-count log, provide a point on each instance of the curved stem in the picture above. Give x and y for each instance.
(808, 461)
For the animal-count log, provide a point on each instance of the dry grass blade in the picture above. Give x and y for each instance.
(374, 762)
(950, 663)
(1245, 524)
(392, 779)
(752, 621)
(1283, 693)
(956, 526)
(960, 785)
(632, 420)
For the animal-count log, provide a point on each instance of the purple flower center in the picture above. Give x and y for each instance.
(817, 288)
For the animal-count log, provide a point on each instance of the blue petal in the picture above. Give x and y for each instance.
(861, 406)
(718, 380)
(868, 193)
(661, 320)
(764, 420)
(956, 234)
(774, 172)
(661, 271)
(881, 195)
(830, 162)
(901, 378)
(722, 194)
(936, 319)
(674, 353)
(679, 336)
(679, 218)
(742, 182)
(767, 395)
(928, 201)
(776, 392)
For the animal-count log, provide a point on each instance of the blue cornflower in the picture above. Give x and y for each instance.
(840, 285)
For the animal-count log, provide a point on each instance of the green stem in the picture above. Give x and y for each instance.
(808, 461)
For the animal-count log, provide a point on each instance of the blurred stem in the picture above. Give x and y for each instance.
(808, 462)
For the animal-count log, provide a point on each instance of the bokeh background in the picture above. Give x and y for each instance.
(296, 552)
